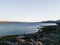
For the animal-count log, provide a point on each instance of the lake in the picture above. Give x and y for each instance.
(20, 28)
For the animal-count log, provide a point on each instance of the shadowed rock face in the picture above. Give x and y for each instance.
(58, 23)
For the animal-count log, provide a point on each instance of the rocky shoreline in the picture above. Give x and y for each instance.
(48, 35)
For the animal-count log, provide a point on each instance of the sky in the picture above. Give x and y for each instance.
(29, 10)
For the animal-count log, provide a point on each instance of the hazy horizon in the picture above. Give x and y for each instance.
(29, 10)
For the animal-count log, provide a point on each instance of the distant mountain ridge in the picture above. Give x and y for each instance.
(51, 21)
(15, 22)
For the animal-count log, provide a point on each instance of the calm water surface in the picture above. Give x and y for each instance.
(20, 28)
